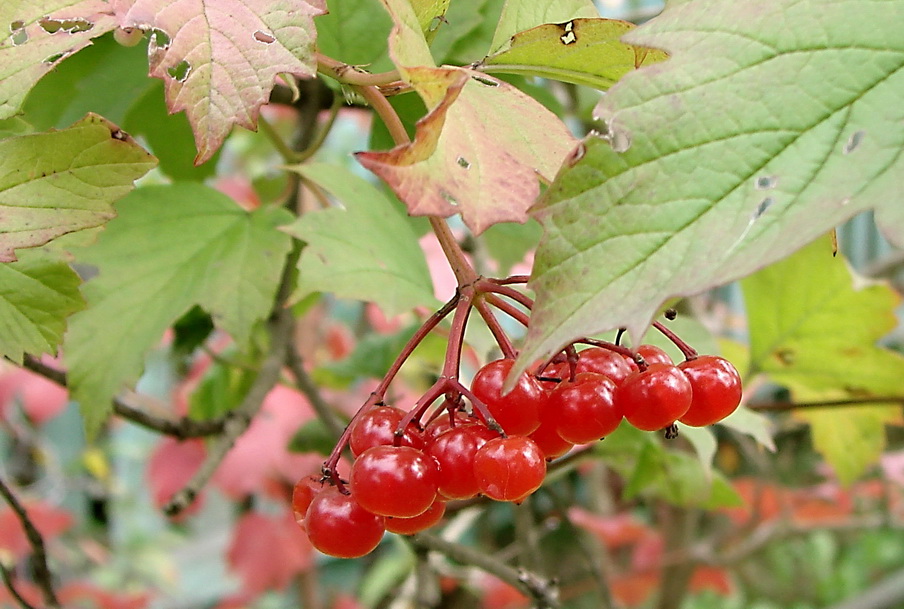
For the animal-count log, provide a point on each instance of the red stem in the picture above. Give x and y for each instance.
(508, 308)
(688, 351)
(499, 334)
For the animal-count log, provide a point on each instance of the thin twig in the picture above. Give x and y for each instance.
(544, 592)
(785, 406)
(42, 575)
(182, 429)
(307, 386)
(11, 586)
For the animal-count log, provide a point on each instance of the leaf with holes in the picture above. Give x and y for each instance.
(749, 142)
(58, 182)
(581, 51)
(219, 60)
(366, 249)
(478, 152)
(170, 247)
(814, 327)
(38, 35)
(520, 15)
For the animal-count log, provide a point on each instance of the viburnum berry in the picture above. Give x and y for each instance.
(716, 387)
(421, 522)
(517, 412)
(445, 422)
(394, 480)
(303, 493)
(337, 525)
(585, 408)
(510, 468)
(654, 355)
(548, 440)
(604, 361)
(377, 428)
(454, 452)
(654, 398)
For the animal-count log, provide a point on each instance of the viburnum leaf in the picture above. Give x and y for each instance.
(58, 182)
(268, 551)
(220, 60)
(171, 247)
(581, 51)
(478, 152)
(814, 327)
(520, 15)
(365, 249)
(729, 156)
(37, 294)
(38, 35)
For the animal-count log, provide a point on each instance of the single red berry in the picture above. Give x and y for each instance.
(337, 525)
(518, 412)
(717, 390)
(604, 361)
(509, 469)
(394, 480)
(654, 398)
(377, 428)
(303, 493)
(548, 440)
(454, 452)
(445, 422)
(585, 408)
(421, 522)
(654, 355)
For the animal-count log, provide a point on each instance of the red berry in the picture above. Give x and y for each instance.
(509, 469)
(394, 480)
(454, 454)
(548, 440)
(604, 361)
(421, 522)
(444, 423)
(303, 493)
(654, 355)
(337, 525)
(585, 408)
(518, 412)
(654, 398)
(717, 390)
(377, 428)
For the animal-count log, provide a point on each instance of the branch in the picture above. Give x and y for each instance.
(182, 428)
(307, 386)
(8, 582)
(42, 575)
(785, 406)
(545, 592)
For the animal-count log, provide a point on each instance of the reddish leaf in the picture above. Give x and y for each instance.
(821, 505)
(50, 522)
(762, 500)
(500, 595)
(41, 399)
(171, 466)
(219, 60)
(614, 531)
(634, 589)
(479, 151)
(711, 578)
(267, 552)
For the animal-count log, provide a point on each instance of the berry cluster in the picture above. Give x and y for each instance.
(459, 442)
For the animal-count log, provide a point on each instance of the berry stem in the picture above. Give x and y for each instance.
(508, 308)
(498, 333)
(492, 286)
(688, 351)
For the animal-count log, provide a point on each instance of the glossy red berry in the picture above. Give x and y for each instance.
(548, 440)
(454, 452)
(337, 525)
(604, 361)
(509, 469)
(394, 480)
(303, 493)
(585, 408)
(377, 428)
(654, 398)
(654, 355)
(518, 412)
(716, 387)
(421, 522)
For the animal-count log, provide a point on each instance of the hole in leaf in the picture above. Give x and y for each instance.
(485, 81)
(463, 162)
(766, 182)
(264, 37)
(449, 198)
(57, 57)
(854, 141)
(436, 22)
(569, 37)
(180, 71)
(159, 40)
(18, 34)
(51, 26)
(70, 26)
(763, 206)
(578, 153)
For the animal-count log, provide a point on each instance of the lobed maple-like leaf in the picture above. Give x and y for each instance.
(58, 182)
(813, 328)
(220, 60)
(770, 124)
(480, 151)
(520, 15)
(37, 35)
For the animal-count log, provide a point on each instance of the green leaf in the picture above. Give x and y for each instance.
(728, 156)
(364, 250)
(407, 44)
(520, 15)
(813, 327)
(355, 32)
(313, 437)
(58, 182)
(221, 390)
(581, 51)
(372, 357)
(465, 36)
(170, 248)
(37, 294)
(508, 243)
(38, 35)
